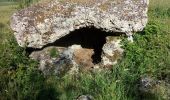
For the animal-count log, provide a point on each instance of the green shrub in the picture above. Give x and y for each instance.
(151, 29)
(25, 3)
(168, 12)
(2, 25)
(147, 56)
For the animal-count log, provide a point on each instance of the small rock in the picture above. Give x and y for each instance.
(85, 97)
(146, 84)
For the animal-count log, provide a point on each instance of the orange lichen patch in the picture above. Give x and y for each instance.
(83, 58)
(40, 17)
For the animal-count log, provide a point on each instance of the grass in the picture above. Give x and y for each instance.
(159, 11)
(148, 56)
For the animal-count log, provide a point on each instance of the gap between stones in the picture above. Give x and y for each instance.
(88, 37)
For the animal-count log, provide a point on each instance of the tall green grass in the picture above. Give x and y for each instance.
(26, 3)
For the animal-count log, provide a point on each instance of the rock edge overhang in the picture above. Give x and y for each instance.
(44, 23)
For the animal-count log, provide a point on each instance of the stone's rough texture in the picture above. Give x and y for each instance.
(71, 59)
(54, 65)
(75, 58)
(45, 26)
(112, 51)
(45, 23)
(83, 58)
(85, 97)
(146, 84)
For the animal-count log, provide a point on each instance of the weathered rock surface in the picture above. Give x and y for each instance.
(112, 51)
(75, 58)
(48, 26)
(44, 23)
(85, 97)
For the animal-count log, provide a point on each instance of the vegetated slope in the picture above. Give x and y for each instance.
(148, 56)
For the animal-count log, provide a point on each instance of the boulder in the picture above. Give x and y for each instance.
(84, 33)
(44, 23)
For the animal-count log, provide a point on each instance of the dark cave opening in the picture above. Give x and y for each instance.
(89, 37)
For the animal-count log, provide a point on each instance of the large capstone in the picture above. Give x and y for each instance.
(44, 23)
(83, 32)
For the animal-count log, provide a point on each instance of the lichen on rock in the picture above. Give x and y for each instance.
(42, 24)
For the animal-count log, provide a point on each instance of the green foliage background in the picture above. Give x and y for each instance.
(148, 56)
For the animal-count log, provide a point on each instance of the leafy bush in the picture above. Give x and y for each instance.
(147, 56)
(168, 12)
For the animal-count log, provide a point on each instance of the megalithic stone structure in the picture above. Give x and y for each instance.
(81, 31)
